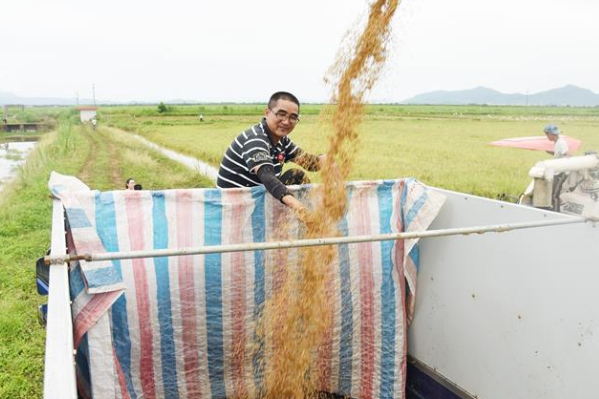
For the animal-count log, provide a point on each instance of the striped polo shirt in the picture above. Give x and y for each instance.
(250, 149)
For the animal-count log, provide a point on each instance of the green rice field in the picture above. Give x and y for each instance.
(442, 146)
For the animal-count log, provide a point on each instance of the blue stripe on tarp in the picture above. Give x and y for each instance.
(102, 277)
(402, 203)
(347, 328)
(58, 188)
(163, 293)
(107, 232)
(415, 256)
(385, 200)
(415, 208)
(214, 299)
(76, 283)
(77, 218)
(82, 360)
(258, 235)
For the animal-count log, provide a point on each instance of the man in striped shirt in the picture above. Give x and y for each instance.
(257, 155)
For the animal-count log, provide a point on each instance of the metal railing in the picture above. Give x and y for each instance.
(59, 373)
(497, 228)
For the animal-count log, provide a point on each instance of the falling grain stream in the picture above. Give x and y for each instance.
(292, 338)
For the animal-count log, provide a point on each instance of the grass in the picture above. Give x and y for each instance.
(25, 221)
(34, 114)
(24, 235)
(149, 168)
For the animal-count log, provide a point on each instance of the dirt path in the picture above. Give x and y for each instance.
(101, 149)
(88, 166)
(113, 152)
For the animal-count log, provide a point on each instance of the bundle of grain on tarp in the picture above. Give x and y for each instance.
(187, 326)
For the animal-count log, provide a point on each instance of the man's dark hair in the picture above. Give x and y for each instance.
(285, 96)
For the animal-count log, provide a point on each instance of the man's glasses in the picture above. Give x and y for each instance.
(282, 115)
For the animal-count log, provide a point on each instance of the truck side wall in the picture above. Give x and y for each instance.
(509, 315)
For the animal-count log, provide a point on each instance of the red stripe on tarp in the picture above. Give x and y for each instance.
(191, 359)
(399, 248)
(279, 227)
(135, 218)
(238, 300)
(88, 316)
(277, 224)
(402, 360)
(92, 246)
(366, 300)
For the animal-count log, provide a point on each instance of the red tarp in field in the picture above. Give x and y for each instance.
(537, 143)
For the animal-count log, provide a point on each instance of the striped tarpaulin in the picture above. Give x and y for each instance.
(185, 327)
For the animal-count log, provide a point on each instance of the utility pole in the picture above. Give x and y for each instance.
(94, 93)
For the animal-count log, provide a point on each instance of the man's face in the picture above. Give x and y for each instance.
(551, 137)
(282, 118)
(131, 185)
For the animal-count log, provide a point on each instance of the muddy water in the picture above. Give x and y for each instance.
(12, 155)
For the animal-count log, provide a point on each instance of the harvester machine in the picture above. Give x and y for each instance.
(567, 185)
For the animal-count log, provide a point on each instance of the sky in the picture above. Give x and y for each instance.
(243, 51)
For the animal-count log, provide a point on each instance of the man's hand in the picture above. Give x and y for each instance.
(293, 203)
(300, 210)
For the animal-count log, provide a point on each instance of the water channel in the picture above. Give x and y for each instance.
(192, 163)
(13, 153)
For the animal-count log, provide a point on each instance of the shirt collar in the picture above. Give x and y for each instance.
(269, 134)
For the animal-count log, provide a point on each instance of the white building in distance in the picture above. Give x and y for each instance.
(87, 113)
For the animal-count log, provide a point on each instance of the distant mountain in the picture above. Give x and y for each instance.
(11, 98)
(569, 95)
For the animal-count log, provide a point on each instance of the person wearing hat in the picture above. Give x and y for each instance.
(560, 148)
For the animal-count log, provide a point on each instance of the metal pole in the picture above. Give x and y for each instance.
(497, 228)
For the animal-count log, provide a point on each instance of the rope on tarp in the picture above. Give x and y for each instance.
(313, 242)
